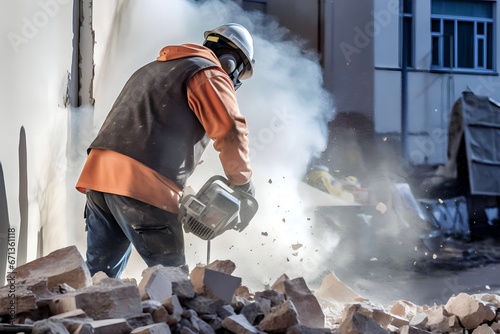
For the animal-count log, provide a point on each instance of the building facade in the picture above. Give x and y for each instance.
(400, 63)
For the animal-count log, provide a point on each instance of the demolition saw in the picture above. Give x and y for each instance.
(216, 208)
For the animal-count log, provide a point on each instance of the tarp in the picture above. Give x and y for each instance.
(481, 121)
(451, 216)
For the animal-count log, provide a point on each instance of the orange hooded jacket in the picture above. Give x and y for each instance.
(211, 96)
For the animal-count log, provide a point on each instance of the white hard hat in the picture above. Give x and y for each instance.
(241, 40)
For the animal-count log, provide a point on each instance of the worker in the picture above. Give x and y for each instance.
(151, 142)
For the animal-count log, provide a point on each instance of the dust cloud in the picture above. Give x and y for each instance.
(287, 110)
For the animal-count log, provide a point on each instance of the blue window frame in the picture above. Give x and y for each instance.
(407, 32)
(462, 34)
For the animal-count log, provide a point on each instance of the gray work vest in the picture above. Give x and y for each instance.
(151, 121)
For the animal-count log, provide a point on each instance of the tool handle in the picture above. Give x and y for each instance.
(248, 208)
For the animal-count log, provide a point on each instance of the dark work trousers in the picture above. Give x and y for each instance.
(115, 223)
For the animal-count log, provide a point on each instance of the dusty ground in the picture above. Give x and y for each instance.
(459, 267)
(431, 277)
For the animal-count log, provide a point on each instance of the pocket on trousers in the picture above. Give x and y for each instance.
(158, 239)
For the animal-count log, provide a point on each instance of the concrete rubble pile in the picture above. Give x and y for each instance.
(55, 294)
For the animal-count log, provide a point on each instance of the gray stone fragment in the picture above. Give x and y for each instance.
(181, 284)
(225, 311)
(280, 318)
(173, 306)
(150, 305)
(239, 324)
(203, 304)
(364, 324)
(160, 328)
(140, 320)
(201, 326)
(307, 306)
(49, 326)
(101, 301)
(155, 285)
(253, 310)
(160, 315)
(105, 326)
(65, 265)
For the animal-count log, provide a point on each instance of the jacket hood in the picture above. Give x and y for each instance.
(172, 52)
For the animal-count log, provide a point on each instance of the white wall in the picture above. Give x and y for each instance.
(386, 19)
(34, 62)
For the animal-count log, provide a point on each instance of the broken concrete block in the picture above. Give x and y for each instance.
(360, 323)
(200, 325)
(471, 311)
(489, 299)
(64, 265)
(129, 280)
(280, 318)
(160, 315)
(173, 307)
(243, 291)
(203, 304)
(99, 276)
(105, 326)
(77, 313)
(237, 323)
(25, 299)
(196, 278)
(496, 326)
(225, 311)
(483, 329)
(150, 305)
(375, 312)
(276, 297)
(407, 329)
(172, 321)
(419, 320)
(215, 323)
(439, 320)
(187, 330)
(238, 303)
(49, 326)
(253, 312)
(71, 319)
(181, 284)
(308, 308)
(404, 308)
(140, 320)
(113, 299)
(223, 266)
(399, 321)
(155, 285)
(216, 281)
(332, 288)
(153, 329)
(220, 285)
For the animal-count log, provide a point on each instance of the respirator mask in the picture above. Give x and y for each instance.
(230, 65)
(230, 59)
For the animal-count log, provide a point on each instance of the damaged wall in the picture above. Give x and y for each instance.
(35, 64)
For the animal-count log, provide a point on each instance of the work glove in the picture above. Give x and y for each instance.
(247, 187)
(248, 205)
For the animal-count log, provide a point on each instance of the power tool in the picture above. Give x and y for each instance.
(216, 208)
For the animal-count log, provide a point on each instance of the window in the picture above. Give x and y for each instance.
(407, 36)
(462, 34)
